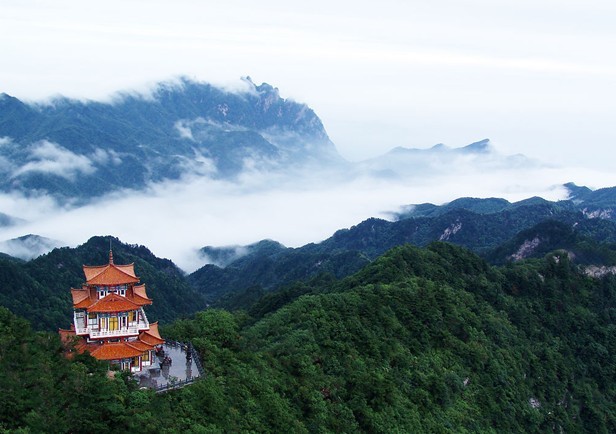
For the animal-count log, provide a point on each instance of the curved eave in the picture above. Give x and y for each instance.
(110, 275)
(113, 303)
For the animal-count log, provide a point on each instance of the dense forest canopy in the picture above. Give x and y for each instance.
(421, 340)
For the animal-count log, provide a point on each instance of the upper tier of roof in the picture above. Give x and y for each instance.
(110, 274)
(86, 297)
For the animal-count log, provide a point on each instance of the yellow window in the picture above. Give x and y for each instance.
(113, 323)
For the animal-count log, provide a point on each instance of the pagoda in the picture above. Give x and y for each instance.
(109, 321)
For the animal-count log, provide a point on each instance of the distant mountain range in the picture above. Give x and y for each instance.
(29, 246)
(79, 150)
(403, 162)
(500, 231)
(592, 203)
(583, 227)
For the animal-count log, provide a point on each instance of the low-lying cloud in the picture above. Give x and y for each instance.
(176, 218)
(51, 158)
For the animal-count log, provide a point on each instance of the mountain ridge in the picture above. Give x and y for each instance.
(493, 228)
(187, 127)
(421, 340)
(79, 150)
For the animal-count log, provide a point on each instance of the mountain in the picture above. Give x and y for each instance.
(223, 256)
(83, 149)
(406, 162)
(263, 271)
(29, 246)
(187, 144)
(600, 203)
(77, 150)
(421, 340)
(7, 220)
(552, 235)
(498, 230)
(39, 290)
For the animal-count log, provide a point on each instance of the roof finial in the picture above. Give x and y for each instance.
(110, 253)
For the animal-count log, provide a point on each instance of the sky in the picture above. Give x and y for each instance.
(536, 77)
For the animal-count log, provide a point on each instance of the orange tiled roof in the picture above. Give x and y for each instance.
(113, 350)
(140, 290)
(79, 295)
(140, 345)
(83, 298)
(154, 330)
(150, 340)
(110, 274)
(105, 350)
(138, 296)
(151, 336)
(113, 303)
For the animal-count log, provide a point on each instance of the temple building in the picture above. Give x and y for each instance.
(109, 321)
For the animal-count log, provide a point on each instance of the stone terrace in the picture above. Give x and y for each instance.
(183, 370)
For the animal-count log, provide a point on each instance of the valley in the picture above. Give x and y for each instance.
(462, 314)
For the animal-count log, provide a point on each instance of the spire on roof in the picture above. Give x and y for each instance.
(110, 252)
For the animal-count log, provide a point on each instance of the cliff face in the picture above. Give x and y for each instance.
(79, 150)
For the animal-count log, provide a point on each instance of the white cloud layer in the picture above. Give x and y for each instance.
(537, 77)
(174, 219)
(51, 158)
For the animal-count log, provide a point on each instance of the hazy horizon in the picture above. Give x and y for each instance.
(537, 79)
(176, 218)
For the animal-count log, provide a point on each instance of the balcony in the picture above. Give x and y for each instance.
(94, 332)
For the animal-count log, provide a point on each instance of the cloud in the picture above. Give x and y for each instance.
(51, 158)
(175, 219)
(28, 247)
(198, 165)
(199, 129)
(5, 140)
(106, 156)
(292, 206)
(184, 129)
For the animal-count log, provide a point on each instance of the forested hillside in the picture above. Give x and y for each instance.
(421, 340)
(39, 290)
(496, 229)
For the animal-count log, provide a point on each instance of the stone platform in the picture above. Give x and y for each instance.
(181, 371)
